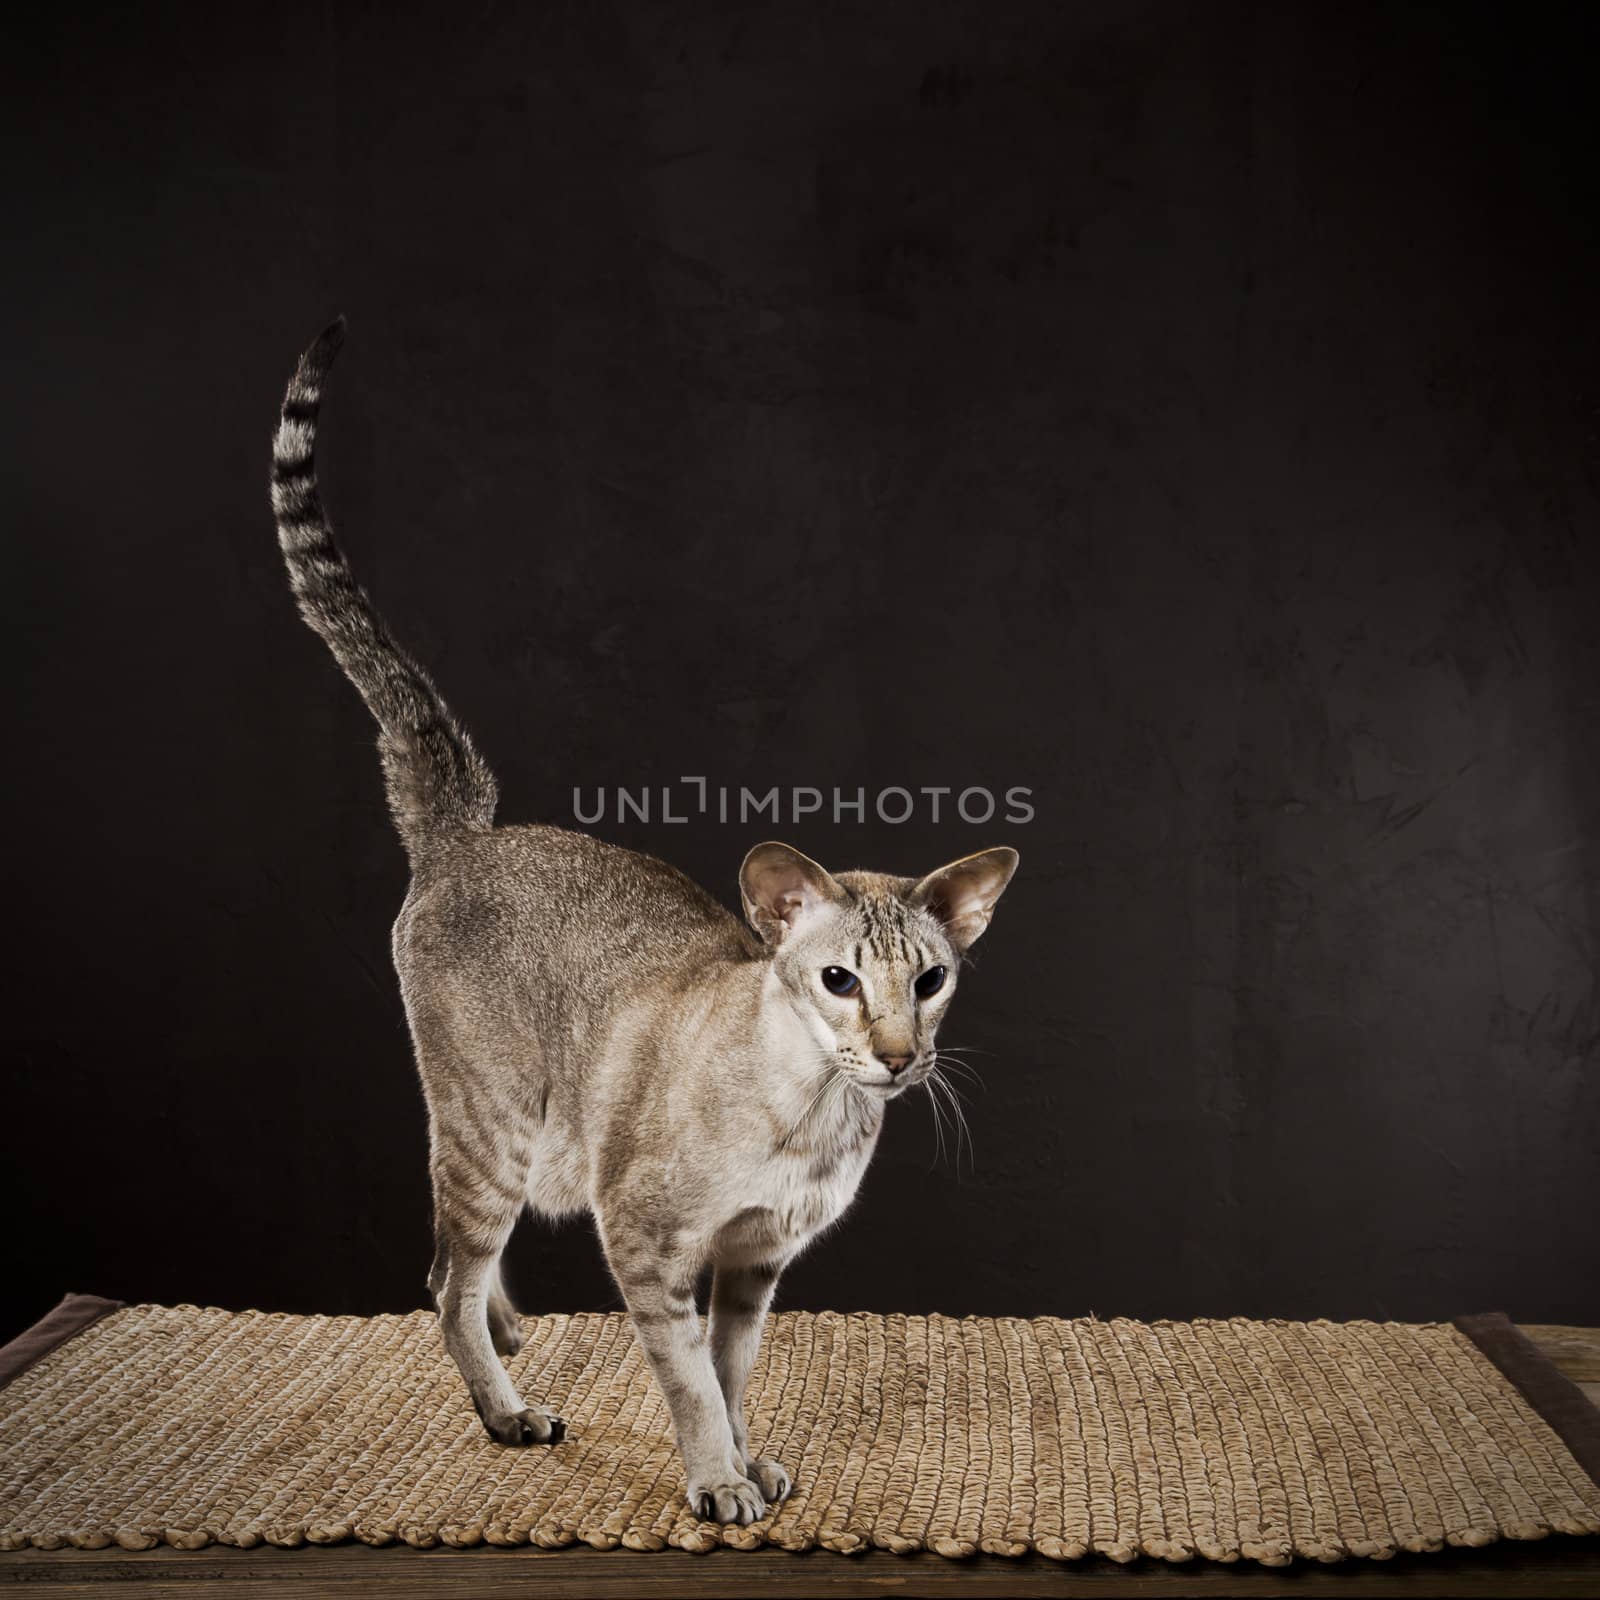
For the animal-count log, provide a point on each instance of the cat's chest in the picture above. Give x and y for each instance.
(788, 1201)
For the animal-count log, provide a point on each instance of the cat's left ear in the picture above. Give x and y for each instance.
(780, 887)
(962, 895)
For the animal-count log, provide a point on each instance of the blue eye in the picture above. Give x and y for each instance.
(930, 983)
(837, 981)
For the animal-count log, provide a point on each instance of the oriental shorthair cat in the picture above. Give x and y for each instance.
(596, 1033)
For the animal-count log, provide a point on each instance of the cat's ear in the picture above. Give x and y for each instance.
(781, 887)
(962, 895)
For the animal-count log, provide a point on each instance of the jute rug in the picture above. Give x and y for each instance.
(1261, 1440)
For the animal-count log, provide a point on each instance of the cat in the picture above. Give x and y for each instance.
(594, 1032)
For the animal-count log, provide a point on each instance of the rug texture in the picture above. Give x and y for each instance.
(1226, 1439)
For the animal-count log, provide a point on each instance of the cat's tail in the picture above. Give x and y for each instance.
(435, 777)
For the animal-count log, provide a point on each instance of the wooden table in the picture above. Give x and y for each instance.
(1548, 1567)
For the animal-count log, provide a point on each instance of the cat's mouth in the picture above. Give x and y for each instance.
(888, 1088)
(878, 1082)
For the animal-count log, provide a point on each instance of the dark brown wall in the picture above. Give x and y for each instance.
(1184, 411)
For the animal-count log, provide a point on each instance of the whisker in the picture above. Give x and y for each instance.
(936, 1096)
(938, 1125)
(958, 1114)
(970, 1076)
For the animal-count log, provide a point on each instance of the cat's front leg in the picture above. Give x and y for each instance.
(660, 1297)
(740, 1298)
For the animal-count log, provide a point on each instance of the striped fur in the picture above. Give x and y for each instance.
(434, 774)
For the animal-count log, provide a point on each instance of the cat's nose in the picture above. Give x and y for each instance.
(895, 1063)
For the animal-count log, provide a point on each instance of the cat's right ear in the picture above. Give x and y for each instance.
(781, 888)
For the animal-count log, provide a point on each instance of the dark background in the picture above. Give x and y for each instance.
(1186, 411)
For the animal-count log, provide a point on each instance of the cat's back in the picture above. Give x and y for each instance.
(554, 909)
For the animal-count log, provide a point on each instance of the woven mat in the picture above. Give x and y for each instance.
(1262, 1440)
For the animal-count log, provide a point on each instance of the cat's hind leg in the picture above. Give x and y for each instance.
(478, 1190)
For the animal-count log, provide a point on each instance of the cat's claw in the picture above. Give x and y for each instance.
(536, 1425)
(771, 1477)
(736, 1501)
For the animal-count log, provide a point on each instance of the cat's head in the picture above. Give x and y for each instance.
(868, 962)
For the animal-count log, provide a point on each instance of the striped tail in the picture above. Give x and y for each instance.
(435, 777)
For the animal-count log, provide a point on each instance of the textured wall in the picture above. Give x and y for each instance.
(1184, 411)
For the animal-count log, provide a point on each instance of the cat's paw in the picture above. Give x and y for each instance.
(536, 1425)
(734, 1500)
(771, 1477)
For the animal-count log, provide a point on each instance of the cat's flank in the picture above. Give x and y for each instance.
(596, 1033)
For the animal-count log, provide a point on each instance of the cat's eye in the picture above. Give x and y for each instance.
(930, 983)
(837, 981)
